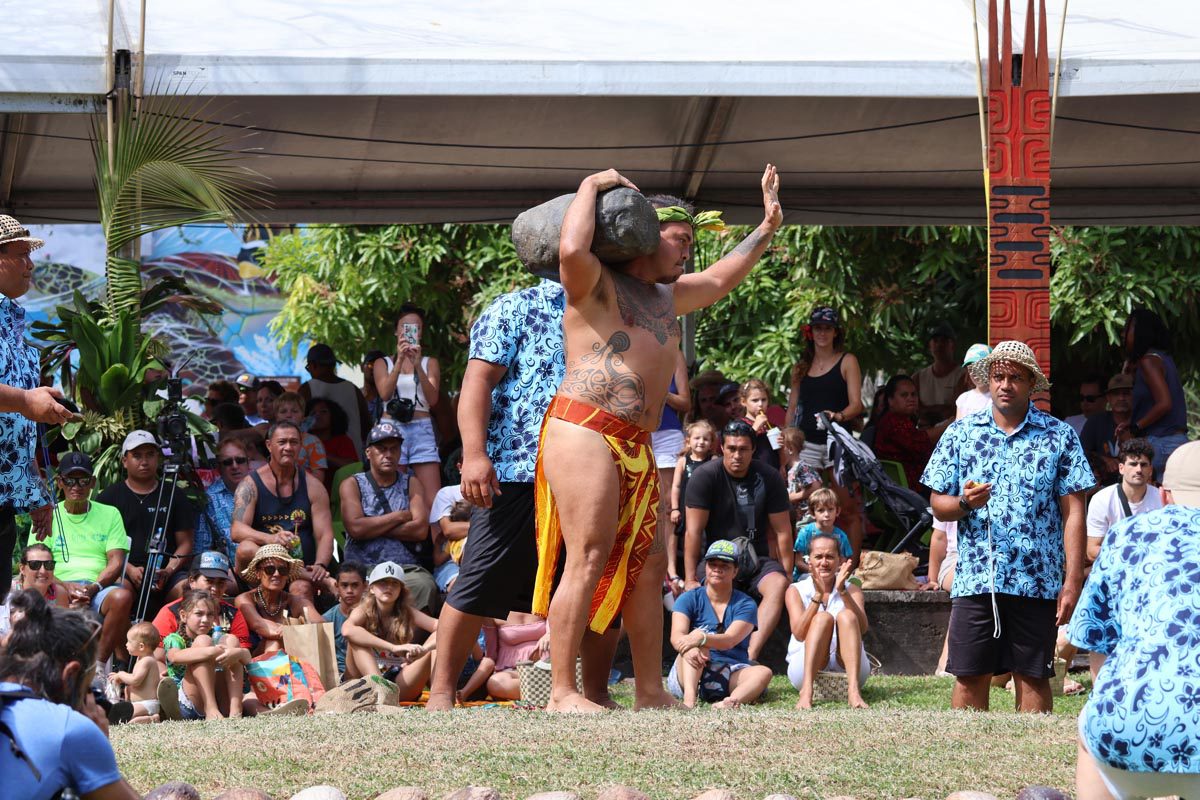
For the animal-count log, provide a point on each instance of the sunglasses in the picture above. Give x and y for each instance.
(271, 570)
(738, 429)
(1089, 398)
(229, 462)
(36, 565)
(71, 483)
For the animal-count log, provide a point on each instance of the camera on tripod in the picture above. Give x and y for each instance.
(173, 423)
(400, 409)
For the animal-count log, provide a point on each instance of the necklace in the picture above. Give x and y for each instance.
(261, 602)
(86, 512)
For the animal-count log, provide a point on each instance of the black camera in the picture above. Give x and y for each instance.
(172, 422)
(400, 409)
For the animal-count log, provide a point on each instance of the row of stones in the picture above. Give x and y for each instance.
(627, 793)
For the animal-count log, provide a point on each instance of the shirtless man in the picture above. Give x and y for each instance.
(597, 486)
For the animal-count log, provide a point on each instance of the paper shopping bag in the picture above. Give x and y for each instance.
(312, 643)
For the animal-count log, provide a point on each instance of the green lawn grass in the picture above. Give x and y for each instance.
(907, 745)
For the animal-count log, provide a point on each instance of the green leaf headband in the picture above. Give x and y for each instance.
(704, 221)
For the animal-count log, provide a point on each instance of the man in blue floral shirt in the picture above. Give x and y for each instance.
(212, 526)
(516, 363)
(1139, 735)
(23, 401)
(1013, 477)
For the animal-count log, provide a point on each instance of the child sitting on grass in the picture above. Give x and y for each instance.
(824, 507)
(473, 680)
(193, 660)
(141, 684)
(351, 580)
(380, 632)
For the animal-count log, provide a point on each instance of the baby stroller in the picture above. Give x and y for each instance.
(854, 461)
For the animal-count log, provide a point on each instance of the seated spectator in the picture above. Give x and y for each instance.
(329, 424)
(270, 572)
(449, 522)
(802, 480)
(824, 507)
(36, 574)
(943, 562)
(281, 504)
(214, 522)
(937, 384)
(1159, 403)
(384, 511)
(476, 673)
(754, 398)
(979, 396)
(218, 392)
(141, 684)
(247, 388)
(209, 573)
(229, 418)
(289, 407)
(143, 507)
(1099, 436)
(828, 622)
(897, 437)
(351, 580)
(1140, 612)
(55, 731)
(1130, 496)
(207, 673)
(697, 450)
(88, 542)
(738, 496)
(381, 630)
(1091, 402)
(714, 664)
(268, 393)
(519, 637)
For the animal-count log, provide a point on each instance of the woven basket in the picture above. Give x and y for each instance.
(831, 687)
(1060, 675)
(535, 681)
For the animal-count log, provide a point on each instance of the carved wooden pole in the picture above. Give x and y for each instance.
(1019, 184)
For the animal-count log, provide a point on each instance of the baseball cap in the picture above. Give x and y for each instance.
(387, 569)
(74, 462)
(384, 430)
(137, 439)
(943, 330)
(1120, 381)
(321, 354)
(213, 564)
(247, 381)
(1182, 474)
(722, 550)
(727, 390)
(824, 315)
(976, 352)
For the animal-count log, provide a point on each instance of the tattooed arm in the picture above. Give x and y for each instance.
(578, 268)
(245, 498)
(702, 289)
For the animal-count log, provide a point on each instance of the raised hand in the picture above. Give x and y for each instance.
(772, 210)
(843, 575)
(608, 179)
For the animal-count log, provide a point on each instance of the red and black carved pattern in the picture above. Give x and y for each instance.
(1019, 167)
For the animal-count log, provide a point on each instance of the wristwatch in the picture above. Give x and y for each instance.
(963, 504)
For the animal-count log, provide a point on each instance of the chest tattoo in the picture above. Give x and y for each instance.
(651, 308)
(602, 379)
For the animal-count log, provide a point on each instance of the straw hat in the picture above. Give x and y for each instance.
(13, 231)
(1020, 354)
(276, 551)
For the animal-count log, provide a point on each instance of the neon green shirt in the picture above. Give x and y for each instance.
(88, 537)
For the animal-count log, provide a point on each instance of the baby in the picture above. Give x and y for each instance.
(141, 641)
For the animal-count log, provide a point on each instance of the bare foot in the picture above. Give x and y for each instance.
(573, 703)
(805, 701)
(858, 702)
(655, 699)
(440, 702)
(728, 702)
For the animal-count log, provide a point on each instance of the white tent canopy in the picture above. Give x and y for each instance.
(422, 111)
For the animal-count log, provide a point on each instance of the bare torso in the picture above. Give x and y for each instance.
(622, 342)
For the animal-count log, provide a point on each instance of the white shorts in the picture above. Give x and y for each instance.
(1124, 784)
(816, 456)
(666, 445)
(795, 662)
(420, 442)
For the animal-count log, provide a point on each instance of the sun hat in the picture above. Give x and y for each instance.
(976, 353)
(1020, 354)
(1182, 474)
(13, 231)
(1121, 380)
(138, 438)
(722, 550)
(277, 551)
(385, 570)
(74, 462)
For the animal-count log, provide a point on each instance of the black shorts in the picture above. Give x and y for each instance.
(1025, 645)
(499, 561)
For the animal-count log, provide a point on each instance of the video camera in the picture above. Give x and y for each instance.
(173, 424)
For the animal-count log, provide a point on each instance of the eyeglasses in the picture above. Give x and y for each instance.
(71, 483)
(36, 565)
(1089, 398)
(271, 570)
(229, 462)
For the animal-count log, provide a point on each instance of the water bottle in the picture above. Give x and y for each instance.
(217, 633)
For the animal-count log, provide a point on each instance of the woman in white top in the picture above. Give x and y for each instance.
(828, 622)
(413, 379)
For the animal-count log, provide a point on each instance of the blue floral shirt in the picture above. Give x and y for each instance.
(1029, 470)
(1141, 608)
(220, 511)
(521, 331)
(20, 483)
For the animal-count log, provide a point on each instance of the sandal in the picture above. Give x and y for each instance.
(168, 701)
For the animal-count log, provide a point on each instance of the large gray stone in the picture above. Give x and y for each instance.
(626, 227)
(620, 793)
(780, 797)
(322, 792)
(553, 796)
(404, 793)
(473, 793)
(716, 794)
(243, 794)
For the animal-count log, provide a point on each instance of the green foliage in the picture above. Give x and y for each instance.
(345, 284)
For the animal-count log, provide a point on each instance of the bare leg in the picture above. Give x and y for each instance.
(457, 633)
(771, 588)
(597, 651)
(233, 684)
(644, 623)
(850, 655)
(413, 676)
(430, 476)
(1033, 694)
(244, 555)
(302, 589)
(746, 686)
(200, 683)
(850, 519)
(971, 691)
(689, 681)
(1088, 783)
(479, 677)
(816, 654)
(360, 662)
(504, 685)
(116, 609)
(582, 477)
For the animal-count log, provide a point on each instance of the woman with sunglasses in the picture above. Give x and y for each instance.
(269, 605)
(36, 574)
(212, 527)
(55, 733)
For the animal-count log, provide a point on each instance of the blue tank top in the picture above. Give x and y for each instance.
(1174, 420)
(670, 420)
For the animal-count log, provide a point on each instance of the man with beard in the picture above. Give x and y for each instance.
(597, 485)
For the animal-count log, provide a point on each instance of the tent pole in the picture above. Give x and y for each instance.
(1062, 28)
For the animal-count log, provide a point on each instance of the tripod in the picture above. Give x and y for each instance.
(156, 553)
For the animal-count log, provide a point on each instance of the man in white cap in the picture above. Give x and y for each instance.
(23, 400)
(142, 504)
(1014, 480)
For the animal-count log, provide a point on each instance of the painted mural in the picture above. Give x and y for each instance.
(216, 261)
